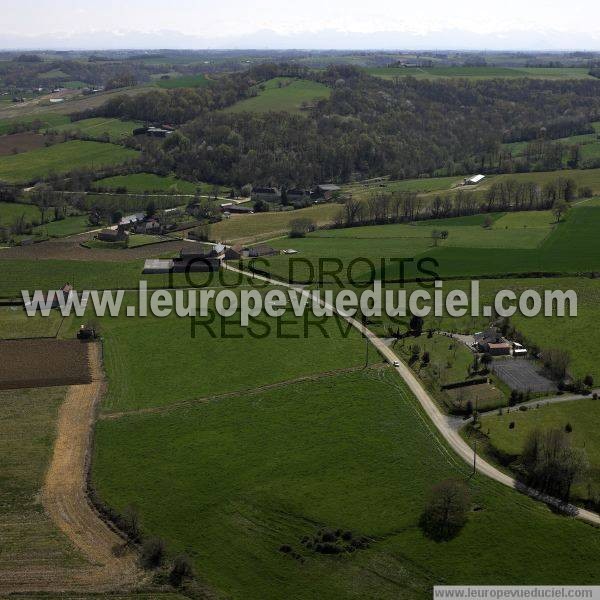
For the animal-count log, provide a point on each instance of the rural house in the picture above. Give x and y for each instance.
(491, 342)
(268, 194)
(197, 258)
(239, 209)
(130, 220)
(326, 191)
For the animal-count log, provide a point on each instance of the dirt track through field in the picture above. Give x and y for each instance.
(65, 500)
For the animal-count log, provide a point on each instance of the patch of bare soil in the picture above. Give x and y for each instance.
(20, 142)
(43, 363)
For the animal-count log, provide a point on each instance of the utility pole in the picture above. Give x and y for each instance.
(474, 457)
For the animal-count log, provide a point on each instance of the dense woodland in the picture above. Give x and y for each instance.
(368, 127)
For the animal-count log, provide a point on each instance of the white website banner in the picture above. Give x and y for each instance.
(517, 591)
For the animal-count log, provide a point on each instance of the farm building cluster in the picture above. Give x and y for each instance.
(199, 257)
(493, 343)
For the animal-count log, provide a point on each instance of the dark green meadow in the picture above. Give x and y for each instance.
(249, 474)
(517, 243)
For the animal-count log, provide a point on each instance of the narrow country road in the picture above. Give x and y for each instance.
(440, 420)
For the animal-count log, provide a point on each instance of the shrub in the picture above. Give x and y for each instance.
(300, 227)
(181, 570)
(511, 425)
(568, 428)
(153, 553)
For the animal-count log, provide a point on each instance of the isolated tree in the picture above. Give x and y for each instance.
(446, 511)
(559, 208)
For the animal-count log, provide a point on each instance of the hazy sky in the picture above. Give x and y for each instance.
(576, 20)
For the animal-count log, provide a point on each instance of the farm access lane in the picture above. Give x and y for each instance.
(458, 423)
(64, 495)
(440, 420)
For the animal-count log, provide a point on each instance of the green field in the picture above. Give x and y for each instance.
(271, 224)
(582, 415)
(93, 274)
(31, 166)
(248, 474)
(29, 538)
(138, 183)
(15, 324)
(10, 211)
(283, 94)
(192, 368)
(526, 242)
(47, 119)
(67, 226)
(569, 249)
(524, 234)
(364, 189)
(116, 129)
(480, 72)
(184, 81)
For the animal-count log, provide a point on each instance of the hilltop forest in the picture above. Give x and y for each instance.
(368, 127)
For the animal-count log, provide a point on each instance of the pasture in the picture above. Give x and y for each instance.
(61, 158)
(97, 127)
(222, 357)
(247, 228)
(66, 227)
(138, 183)
(282, 94)
(251, 473)
(10, 211)
(364, 189)
(48, 119)
(528, 234)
